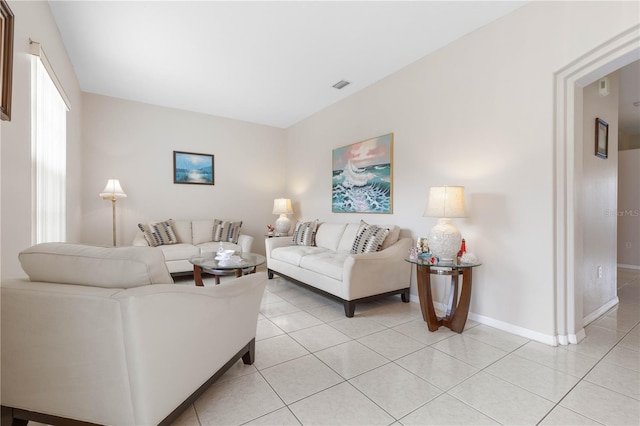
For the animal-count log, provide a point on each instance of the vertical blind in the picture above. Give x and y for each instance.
(49, 154)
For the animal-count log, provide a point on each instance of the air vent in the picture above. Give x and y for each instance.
(342, 83)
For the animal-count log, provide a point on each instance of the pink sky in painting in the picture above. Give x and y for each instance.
(364, 154)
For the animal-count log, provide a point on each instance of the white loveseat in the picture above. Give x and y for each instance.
(102, 335)
(195, 238)
(329, 266)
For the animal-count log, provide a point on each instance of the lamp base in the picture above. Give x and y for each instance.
(283, 225)
(445, 240)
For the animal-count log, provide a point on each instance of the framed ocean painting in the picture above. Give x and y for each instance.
(363, 177)
(189, 167)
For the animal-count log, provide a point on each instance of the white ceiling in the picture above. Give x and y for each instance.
(264, 62)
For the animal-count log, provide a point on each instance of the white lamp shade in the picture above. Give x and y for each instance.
(282, 206)
(446, 201)
(113, 190)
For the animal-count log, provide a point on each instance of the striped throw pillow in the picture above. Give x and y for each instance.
(226, 230)
(369, 238)
(305, 233)
(159, 233)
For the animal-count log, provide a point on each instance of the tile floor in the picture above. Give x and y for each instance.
(314, 366)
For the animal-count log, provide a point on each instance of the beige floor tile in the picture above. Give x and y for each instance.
(501, 401)
(275, 350)
(281, 417)
(187, 418)
(391, 315)
(395, 390)
(438, 368)
(351, 359)
(357, 327)
(299, 378)
(295, 321)
(539, 379)
(561, 416)
(328, 313)
(469, 350)
(497, 338)
(602, 405)
(266, 329)
(418, 330)
(446, 410)
(391, 344)
(630, 341)
(557, 358)
(276, 309)
(237, 401)
(616, 378)
(340, 405)
(319, 337)
(624, 357)
(598, 342)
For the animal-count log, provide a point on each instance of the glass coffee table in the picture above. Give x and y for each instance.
(238, 263)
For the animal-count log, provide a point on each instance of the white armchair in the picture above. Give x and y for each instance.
(77, 345)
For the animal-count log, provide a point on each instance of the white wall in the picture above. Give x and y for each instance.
(134, 142)
(629, 208)
(598, 200)
(477, 113)
(33, 20)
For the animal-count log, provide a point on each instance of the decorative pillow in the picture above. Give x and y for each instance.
(158, 234)
(224, 230)
(369, 238)
(305, 233)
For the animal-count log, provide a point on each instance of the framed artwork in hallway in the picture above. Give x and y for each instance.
(192, 168)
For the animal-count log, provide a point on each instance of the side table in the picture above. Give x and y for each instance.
(457, 310)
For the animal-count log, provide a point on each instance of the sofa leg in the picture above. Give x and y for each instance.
(406, 295)
(7, 418)
(250, 356)
(349, 308)
(269, 274)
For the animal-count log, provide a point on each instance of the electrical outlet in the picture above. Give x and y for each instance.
(599, 271)
(628, 244)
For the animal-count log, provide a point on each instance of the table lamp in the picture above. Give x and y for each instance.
(112, 191)
(282, 206)
(445, 202)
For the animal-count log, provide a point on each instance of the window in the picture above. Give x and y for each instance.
(49, 152)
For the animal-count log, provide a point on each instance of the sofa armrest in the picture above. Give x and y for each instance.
(378, 272)
(246, 242)
(139, 240)
(275, 242)
(176, 337)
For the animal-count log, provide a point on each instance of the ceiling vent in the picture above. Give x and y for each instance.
(342, 83)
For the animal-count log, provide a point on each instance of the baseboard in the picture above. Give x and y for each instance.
(600, 311)
(501, 325)
(624, 266)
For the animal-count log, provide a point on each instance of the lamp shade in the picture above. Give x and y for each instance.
(446, 201)
(113, 190)
(282, 206)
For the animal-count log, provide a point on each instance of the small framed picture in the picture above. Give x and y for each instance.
(602, 138)
(192, 168)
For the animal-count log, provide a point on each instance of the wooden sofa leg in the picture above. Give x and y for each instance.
(349, 308)
(7, 418)
(250, 356)
(406, 295)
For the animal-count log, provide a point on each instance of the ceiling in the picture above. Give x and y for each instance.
(265, 62)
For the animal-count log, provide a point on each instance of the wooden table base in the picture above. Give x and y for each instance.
(458, 310)
(197, 275)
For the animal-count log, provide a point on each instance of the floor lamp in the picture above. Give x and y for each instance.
(112, 191)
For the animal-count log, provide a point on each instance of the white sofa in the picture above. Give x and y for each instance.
(195, 238)
(102, 335)
(330, 267)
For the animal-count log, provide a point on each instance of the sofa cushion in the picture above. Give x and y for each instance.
(213, 247)
(305, 233)
(329, 263)
(392, 238)
(179, 251)
(294, 254)
(119, 267)
(226, 230)
(349, 235)
(182, 228)
(202, 231)
(159, 233)
(329, 235)
(369, 238)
